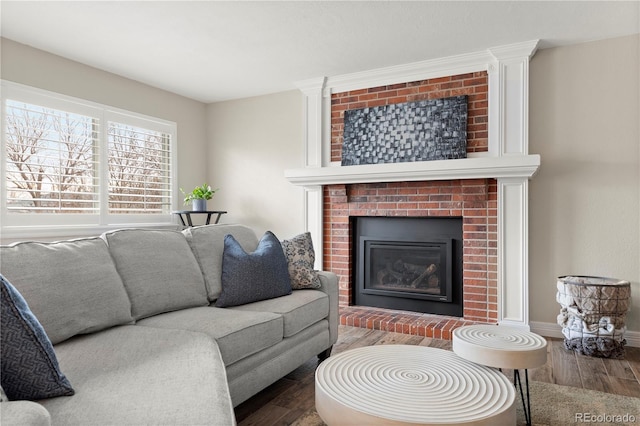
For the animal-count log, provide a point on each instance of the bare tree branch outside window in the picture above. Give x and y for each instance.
(50, 160)
(138, 164)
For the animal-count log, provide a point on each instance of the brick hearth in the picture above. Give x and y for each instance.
(413, 323)
(474, 200)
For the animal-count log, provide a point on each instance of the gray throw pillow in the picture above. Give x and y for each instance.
(300, 258)
(250, 277)
(30, 368)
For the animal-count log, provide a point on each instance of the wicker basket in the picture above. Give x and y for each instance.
(592, 315)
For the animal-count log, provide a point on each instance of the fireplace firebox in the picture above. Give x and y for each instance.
(420, 270)
(412, 264)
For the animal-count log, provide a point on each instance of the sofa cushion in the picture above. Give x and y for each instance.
(29, 368)
(249, 277)
(132, 375)
(207, 243)
(24, 413)
(72, 288)
(252, 374)
(158, 269)
(239, 334)
(299, 310)
(300, 258)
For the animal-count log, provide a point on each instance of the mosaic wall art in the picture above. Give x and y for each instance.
(434, 129)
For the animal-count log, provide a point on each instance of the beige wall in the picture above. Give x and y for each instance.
(252, 142)
(23, 64)
(585, 211)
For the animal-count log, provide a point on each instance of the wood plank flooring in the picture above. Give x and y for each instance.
(286, 400)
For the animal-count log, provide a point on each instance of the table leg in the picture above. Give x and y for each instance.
(518, 384)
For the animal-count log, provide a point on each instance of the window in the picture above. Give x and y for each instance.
(138, 161)
(50, 162)
(71, 162)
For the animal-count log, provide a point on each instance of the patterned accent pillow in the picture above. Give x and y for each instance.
(30, 368)
(250, 277)
(301, 257)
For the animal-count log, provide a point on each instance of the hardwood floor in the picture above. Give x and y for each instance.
(289, 398)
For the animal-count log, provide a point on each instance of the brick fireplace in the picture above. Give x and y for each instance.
(488, 190)
(474, 200)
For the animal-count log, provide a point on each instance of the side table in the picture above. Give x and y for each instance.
(502, 347)
(188, 213)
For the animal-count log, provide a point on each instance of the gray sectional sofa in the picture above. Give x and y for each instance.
(132, 318)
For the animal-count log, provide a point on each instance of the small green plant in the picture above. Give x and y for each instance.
(203, 192)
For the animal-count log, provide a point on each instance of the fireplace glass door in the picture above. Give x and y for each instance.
(416, 270)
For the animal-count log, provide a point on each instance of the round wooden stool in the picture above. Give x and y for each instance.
(411, 385)
(502, 347)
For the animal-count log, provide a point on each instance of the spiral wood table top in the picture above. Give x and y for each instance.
(409, 385)
(500, 346)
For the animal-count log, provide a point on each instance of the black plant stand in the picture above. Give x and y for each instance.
(188, 213)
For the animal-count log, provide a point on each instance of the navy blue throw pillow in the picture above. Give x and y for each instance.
(30, 368)
(250, 277)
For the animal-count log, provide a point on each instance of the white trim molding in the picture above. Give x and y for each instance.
(507, 159)
(548, 329)
(434, 68)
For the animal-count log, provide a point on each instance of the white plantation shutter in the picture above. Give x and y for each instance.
(139, 170)
(71, 162)
(51, 160)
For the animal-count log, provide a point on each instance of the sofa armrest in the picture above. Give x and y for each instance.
(329, 282)
(23, 413)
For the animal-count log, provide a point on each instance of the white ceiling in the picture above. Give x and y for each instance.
(219, 50)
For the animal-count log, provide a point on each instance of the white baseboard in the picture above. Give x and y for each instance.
(549, 329)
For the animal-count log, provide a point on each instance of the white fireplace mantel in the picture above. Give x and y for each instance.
(507, 160)
(521, 166)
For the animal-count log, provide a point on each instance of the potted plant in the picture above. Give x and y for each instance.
(199, 196)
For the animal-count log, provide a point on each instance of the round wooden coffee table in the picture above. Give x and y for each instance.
(503, 347)
(411, 385)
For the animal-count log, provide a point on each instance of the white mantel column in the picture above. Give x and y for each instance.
(313, 157)
(508, 137)
(509, 99)
(513, 252)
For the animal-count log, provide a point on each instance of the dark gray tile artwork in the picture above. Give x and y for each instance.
(434, 129)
